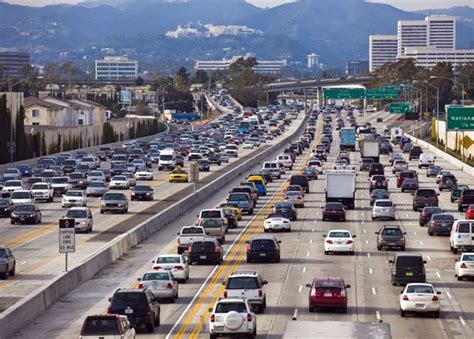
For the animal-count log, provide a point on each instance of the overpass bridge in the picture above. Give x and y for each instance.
(299, 85)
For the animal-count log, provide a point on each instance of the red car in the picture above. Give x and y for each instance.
(334, 211)
(405, 174)
(328, 292)
(470, 212)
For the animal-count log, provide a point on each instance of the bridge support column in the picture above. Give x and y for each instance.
(268, 97)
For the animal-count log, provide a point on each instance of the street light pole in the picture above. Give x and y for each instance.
(437, 116)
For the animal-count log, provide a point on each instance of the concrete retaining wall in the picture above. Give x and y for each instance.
(34, 305)
(441, 154)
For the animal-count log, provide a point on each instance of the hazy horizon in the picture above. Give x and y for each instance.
(408, 5)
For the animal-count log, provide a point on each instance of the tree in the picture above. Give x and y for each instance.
(139, 81)
(201, 77)
(181, 80)
(22, 150)
(5, 130)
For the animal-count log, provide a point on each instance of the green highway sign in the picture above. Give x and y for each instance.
(344, 93)
(399, 107)
(382, 93)
(460, 118)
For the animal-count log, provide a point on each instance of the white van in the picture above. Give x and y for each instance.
(426, 159)
(274, 168)
(461, 236)
(167, 159)
(285, 160)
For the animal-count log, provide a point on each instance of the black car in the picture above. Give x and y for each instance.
(415, 153)
(139, 305)
(440, 224)
(214, 159)
(204, 165)
(408, 268)
(465, 199)
(205, 251)
(25, 214)
(179, 160)
(456, 191)
(385, 148)
(263, 248)
(6, 207)
(427, 212)
(142, 192)
(376, 168)
(365, 164)
(334, 211)
(301, 180)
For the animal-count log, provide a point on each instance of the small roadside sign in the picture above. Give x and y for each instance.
(67, 235)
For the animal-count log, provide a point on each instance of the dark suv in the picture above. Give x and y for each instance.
(206, 251)
(301, 180)
(465, 199)
(415, 153)
(376, 168)
(424, 197)
(440, 224)
(263, 248)
(408, 268)
(139, 305)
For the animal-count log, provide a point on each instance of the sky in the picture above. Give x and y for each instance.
(403, 4)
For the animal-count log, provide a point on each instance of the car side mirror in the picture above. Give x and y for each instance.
(139, 279)
(424, 261)
(438, 292)
(178, 233)
(110, 300)
(348, 286)
(279, 241)
(354, 236)
(309, 285)
(210, 309)
(390, 261)
(437, 193)
(377, 232)
(405, 233)
(265, 282)
(401, 292)
(414, 194)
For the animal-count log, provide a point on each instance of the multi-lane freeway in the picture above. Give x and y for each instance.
(371, 297)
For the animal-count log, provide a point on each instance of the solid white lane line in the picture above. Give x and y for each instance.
(449, 295)
(304, 269)
(300, 288)
(438, 275)
(462, 321)
(428, 257)
(374, 292)
(307, 254)
(377, 315)
(368, 255)
(295, 314)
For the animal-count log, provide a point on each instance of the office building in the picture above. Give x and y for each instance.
(382, 50)
(183, 32)
(428, 57)
(263, 66)
(313, 60)
(441, 32)
(233, 30)
(12, 63)
(357, 67)
(116, 68)
(411, 33)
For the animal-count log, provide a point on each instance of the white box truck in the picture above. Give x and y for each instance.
(370, 149)
(341, 187)
(395, 132)
(167, 159)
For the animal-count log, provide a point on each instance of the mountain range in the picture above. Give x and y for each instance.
(337, 30)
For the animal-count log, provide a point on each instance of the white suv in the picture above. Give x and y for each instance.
(248, 285)
(232, 316)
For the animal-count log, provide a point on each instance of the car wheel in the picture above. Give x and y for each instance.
(12, 272)
(402, 248)
(459, 278)
(251, 212)
(402, 314)
(344, 309)
(351, 252)
(326, 252)
(265, 230)
(101, 212)
(3, 275)
(430, 233)
(151, 326)
(324, 219)
(373, 218)
(311, 309)
(248, 261)
(452, 200)
(436, 314)
(403, 191)
(379, 248)
(212, 336)
(455, 250)
(173, 299)
(12, 222)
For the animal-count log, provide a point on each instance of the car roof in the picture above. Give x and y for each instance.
(244, 274)
(318, 279)
(264, 237)
(79, 208)
(339, 231)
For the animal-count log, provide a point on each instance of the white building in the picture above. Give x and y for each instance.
(428, 56)
(411, 33)
(313, 60)
(116, 68)
(263, 66)
(233, 30)
(382, 50)
(183, 32)
(441, 31)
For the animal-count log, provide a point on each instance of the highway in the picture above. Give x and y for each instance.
(36, 246)
(371, 298)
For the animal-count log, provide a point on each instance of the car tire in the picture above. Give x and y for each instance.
(379, 248)
(344, 309)
(402, 248)
(351, 253)
(250, 212)
(311, 309)
(248, 261)
(459, 278)
(403, 191)
(265, 230)
(455, 250)
(12, 222)
(326, 252)
(451, 199)
(150, 328)
(12, 272)
(212, 336)
(101, 212)
(402, 314)
(324, 219)
(3, 276)
(430, 233)
(436, 314)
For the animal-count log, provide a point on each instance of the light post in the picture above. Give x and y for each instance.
(455, 82)
(437, 114)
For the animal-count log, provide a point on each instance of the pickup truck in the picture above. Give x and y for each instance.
(188, 235)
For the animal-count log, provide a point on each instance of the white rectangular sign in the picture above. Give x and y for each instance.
(67, 240)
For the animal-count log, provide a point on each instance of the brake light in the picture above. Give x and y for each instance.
(348, 242)
(179, 268)
(463, 265)
(169, 285)
(189, 249)
(148, 310)
(156, 268)
(249, 317)
(248, 248)
(329, 241)
(435, 298)
(109, 310)
(405, 297)
(213, 318)
(140, 285)
(260, 293)
(177, 241)
(217, 249)
(343, 293)
(226, 294)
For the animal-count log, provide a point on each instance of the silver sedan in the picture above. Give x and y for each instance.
(161, 283)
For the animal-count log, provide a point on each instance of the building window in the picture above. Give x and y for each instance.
(35, 113)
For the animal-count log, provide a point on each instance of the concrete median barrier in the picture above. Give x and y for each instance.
(34, 305)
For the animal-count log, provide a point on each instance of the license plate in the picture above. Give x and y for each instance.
(339, 242)
(202, 257)
(128, 311)
(409, 274)
(328, 294)
(262, 254)
(219, 328)
(419, 305)
(333, 212)
(22, 219)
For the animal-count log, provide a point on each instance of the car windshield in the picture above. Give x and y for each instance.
(383, 204)
(77, 176)
(328, 283)
(391, 231)
(40, 187)
(142, 188)
(334, 206)
(59, 180)
(407, 260)
(80, 214)
(12, 183)
(20, 195)
(96, 174)
(13, 171)
(168, 260)
(119, 178)
(431, 210)
(114, 196)
(238, 197)
(126, 299)
(24, 208)
(74, 194)
(468, 257)
(442, 217)
(226, 307)
(339, 234)
(4, 202)
(283, 205)
(240, 283)
(156, 276)
(262, 244)
(210, 214)
(293, 194)
(97, 184)
(211, 223)
(106, 326)
(419, 289)
(179, 171)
